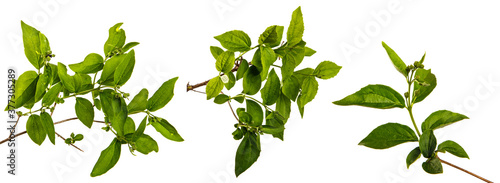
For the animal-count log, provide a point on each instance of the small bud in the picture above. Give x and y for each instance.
(411, 67)
(117, 95)
(126, 95)
(407, 94)
(19, 113)
(236, 125)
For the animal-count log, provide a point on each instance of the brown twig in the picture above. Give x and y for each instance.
(192, 87)
(470, 173)
(70, 144)
(231, 107)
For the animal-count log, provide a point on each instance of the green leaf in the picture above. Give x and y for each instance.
(252, 81)
(129, 46)
(31, 40)
(78, 137)
(242, 69)
(412, 157)
(267, 58)
(248, 152)
(234, 40)
(396, 61)
(231, 82)
(44, 46)
(441, 119)
(115, 109)
(91, 64)
(124, 69)
(422, 59)
(271, 129)
(427, 77)
(453, 148)
(389, 135)
(292, 55)
(51, 95)
(145, 144)
(162, 96)
(375, 96)
(288, 66)
(25, 87)
(108, 159)
(239, 98)
(67, 80)
(303, 74)
(51, 69)
(274, 125)
(48, 125)
(271, 90)
(221, 98)
(225, 62)
(309, 90)
(35, 129)
(254, 109)
(291, 87)
(296, 28)
(108, 71)
(427, 143)
(83, 82)
(41, 86)
(283, 106)
(140, 129)
(309, 52)
(326, 70)
(166, 129)
(271, 36)
(84, 111)
(433, 166)
(237, 134)
(244, 117)
(139, 102)
(214, 87)
(129, 126)
(216, 51)
(115, 40)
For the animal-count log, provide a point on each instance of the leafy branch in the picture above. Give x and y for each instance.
(257, 117)
(421, 82)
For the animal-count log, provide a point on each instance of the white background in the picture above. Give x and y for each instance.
(461, 41)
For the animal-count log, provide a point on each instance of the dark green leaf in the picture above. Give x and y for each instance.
(389, 135)
(214, 87)
(376, 96)
(31, 40)
(115, 40)
(441, 119)
(235, 40)
(35, 129)
(427, 143)
(225, 62)
(41, 86)
(412, 157)
(239, 98)
(283, 106)
(162, 96)
(453, 148)
(271, 129)
(166, 129)
(433, 166)
(242, 69)
(221, 98)
(48, 125)
(254, 109)
(78, 137)
(231, 80)
(243, 116)
(145, 144)
(327, 70)
(274, 125)
(129, 46)
(124, 69)
(216, 51)
(252, 81)
(271, 90)
(291, 87)
(91, 64)
(139, 102)
(84, 111)
(129, 126)
(309, 52)
(296, 28)
(115, 109)
(271, 36)
(396, 61)
(309, 90)
(238, 134)
(248, 152)
(140, 129)
(429, 79)
(108, 159)
(108, 71)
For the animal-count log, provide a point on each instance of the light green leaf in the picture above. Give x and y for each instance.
(433, 166)
(54, 76)
(140, 129)
(242, 69)
(429, 79)
(116, 39)
(296, 28)
(35, 129)
(145, 144)
(108, 71)
(31, 40)
(271, 36)
(413, 156)
(248, 152)
(231, 80)
(234, 40)
(67, 80)
(139, 102)
(309, 52)
(91, 64)
(291, 87)
(252, 81)
(129, 126)
(441, 119)
(48, 125)
(83, 82)
(309, 90)
(51, 95)
(41, 86)
(25, 89)
(115, 109)
(267, 59)
(129, 46)
(84, 111)
(271, 90)
(396, 61)
(124, 69)
(254, 109)
(327, 70)
(427, 143)
(389, 135)
(271, 129)
(453, 148)
(225, 62)
(216, 51)
(221, 98)
(214, 87)
(162, 96)
(166, 129)
(303, 74)
(376, 96)
(108, 159)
